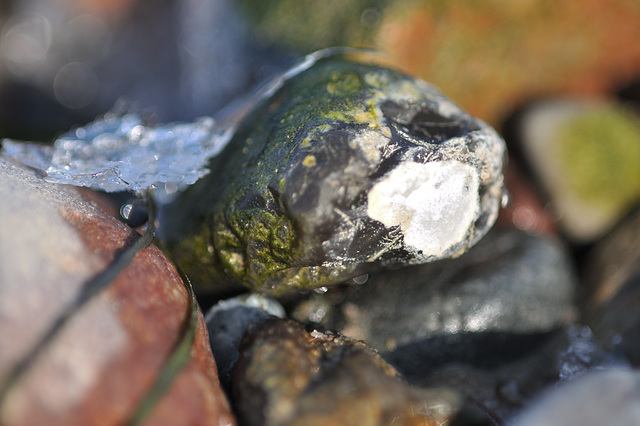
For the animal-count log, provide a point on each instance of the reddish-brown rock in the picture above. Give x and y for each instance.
(104, 360)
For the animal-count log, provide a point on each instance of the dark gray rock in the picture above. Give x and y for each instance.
(510, 282)
(228, 320)
(490, 324)
(501, 372)
(347, 167)
(599, 398)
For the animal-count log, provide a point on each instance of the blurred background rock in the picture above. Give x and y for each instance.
(64, 61)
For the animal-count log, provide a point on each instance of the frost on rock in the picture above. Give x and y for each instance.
(121, 153)
(434, 204)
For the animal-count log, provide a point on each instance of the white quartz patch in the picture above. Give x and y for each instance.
(434, 204)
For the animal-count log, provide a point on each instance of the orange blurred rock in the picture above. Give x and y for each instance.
(105, 359)
(492, 55)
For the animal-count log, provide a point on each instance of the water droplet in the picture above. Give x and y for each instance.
(505, 200)
(361, 279)
(134, 213)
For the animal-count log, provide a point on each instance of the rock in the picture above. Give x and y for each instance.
(104, 360)
(473, 52)
(583, 353)
(587, 158)
(228, 320)
(502, 372)
(510, 282)
(348, 167)
(599, 398)
(288, 376)
(491, 324)
(315, 26)
(612, 281)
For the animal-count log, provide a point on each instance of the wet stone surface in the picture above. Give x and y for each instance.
(510, 282)
(347, 168)
(502, 372)
(104, 360)
(289, 376)
(494, 324)
(347, 172)
(228, 320)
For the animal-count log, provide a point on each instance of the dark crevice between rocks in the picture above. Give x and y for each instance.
(418, 359)
(178, 359)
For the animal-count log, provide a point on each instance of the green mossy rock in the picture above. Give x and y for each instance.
(346, 168)
(586, 157)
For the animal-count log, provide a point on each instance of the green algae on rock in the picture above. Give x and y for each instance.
(586, 156)
(601, 150)
(346, 168)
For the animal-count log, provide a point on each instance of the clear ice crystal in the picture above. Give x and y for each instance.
(121, 153)
(583, 354)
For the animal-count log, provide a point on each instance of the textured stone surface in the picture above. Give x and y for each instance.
(227, 322)
(288, 376)
(348, 167)
(600, 398)
(586, 155)
(105, 359)
(509, 282)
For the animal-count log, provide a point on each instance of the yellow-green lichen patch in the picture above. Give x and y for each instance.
(395, 89)
(342, 84)
(309, 161)
(366, 112)
(307, 277)
(196, 257)
(254, 243)
(600, 151)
